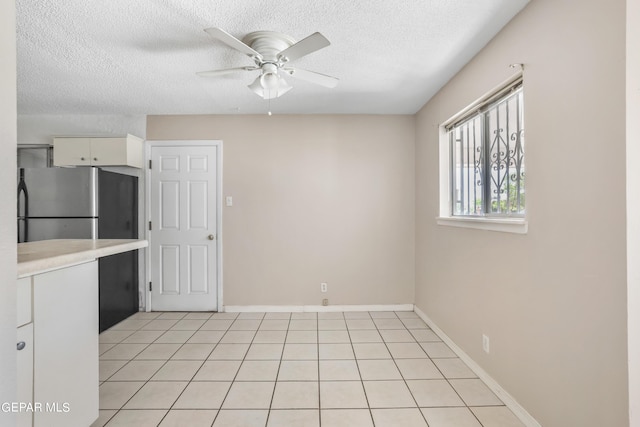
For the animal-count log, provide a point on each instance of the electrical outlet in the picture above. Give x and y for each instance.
(325, 302)
(323, 287)
(485, 343)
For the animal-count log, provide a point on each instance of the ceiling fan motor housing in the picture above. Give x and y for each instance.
(268, 44)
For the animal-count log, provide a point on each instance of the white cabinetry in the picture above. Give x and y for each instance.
(125, 151)
(62, 362)
(25, 351)
(23, 310)
(25, 373)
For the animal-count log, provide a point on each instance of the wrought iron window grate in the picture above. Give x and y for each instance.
(487, 159)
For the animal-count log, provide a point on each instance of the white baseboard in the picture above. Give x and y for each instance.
(314, 308)
(508, 400)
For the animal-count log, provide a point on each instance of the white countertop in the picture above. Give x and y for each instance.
(46, 255)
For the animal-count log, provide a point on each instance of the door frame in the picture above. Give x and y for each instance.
(149, 234)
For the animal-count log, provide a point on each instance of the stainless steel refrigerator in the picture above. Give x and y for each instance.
(86, 203)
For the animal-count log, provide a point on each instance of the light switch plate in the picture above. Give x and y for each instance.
(229, 200)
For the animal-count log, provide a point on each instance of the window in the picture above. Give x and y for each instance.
(486, 159)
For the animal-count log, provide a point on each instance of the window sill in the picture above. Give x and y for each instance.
(505, 225)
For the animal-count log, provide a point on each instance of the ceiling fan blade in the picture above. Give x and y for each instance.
(227, 38)
(313, 77)
(310, 44)
(216, 73)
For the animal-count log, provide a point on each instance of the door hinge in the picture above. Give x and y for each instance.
(150, 286)
(149, 163)
(150, 226)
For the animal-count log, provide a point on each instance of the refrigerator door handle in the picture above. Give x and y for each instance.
(22, 188)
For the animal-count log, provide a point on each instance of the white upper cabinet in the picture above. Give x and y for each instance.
(72, 151)
(124, 151)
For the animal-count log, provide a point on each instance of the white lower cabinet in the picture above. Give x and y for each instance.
(25, 374)
(64, 349)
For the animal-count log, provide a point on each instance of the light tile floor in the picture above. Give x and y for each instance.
(351, 369)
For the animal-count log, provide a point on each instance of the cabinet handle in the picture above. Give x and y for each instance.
(95, 159)
(82, 158)
(21, 345)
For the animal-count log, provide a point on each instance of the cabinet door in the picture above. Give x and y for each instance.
(25, 373)
(108, 151)
(24, 301)
(65, 363)
(71, 151)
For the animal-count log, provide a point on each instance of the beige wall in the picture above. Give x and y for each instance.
(7, 207)
(633, 206)
(315, 199)
(553, 302)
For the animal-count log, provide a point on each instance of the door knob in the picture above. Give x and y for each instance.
(21, 345)
(211, 237)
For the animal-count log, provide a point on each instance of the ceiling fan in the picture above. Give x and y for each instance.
(272, 52)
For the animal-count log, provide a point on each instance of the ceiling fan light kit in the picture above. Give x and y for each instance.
(269, 86)
(271, 52)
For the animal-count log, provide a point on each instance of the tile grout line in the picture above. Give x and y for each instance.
(445, 378)
(195, 373)
(275, 381)
(130, 360)
(398, 368)
(165, 362)
(118, 410)
(239, 367)
(145, 382)
(449, 382)
(355, 358)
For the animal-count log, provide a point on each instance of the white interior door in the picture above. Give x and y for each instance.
(184, 225)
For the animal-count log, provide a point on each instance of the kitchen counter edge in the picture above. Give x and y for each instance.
(47, 255)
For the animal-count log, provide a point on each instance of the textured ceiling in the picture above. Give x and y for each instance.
(141, 56)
